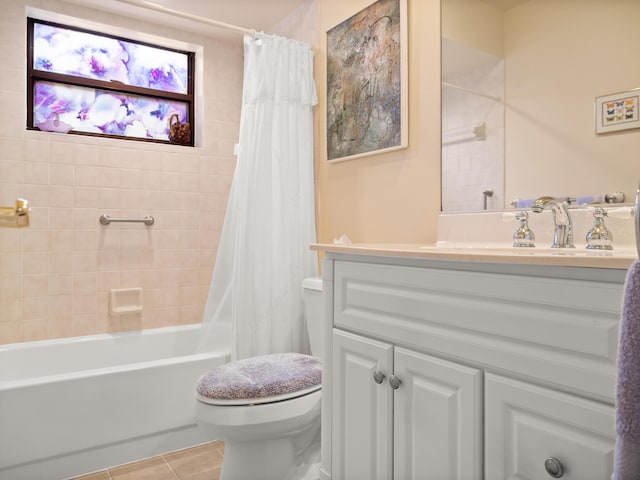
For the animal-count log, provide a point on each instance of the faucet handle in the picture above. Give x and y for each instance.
(507, 217)
(523, 236)
(621, 212)
(17, 216)
(23, 212)
(599, 237)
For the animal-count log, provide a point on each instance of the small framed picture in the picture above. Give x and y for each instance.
(618, 111)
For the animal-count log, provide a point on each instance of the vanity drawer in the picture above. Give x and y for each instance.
(533, 432)
(560, 331)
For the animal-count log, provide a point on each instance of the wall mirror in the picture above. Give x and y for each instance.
(520, 80)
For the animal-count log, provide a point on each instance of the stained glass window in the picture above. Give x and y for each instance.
(91, 83)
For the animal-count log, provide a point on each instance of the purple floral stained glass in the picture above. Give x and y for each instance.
(105, 112)
(87, 55)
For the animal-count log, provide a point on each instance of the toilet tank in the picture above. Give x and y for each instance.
(312, 296)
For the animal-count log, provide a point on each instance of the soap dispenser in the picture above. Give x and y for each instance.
(599, 237)
(523, 236)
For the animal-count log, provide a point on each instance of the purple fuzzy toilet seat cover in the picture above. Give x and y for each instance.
(259, 378)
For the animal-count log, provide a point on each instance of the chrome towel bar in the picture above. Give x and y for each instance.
(106, 220)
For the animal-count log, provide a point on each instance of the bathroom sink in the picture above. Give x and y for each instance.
(472, 247)
(498, 249)
(619, 258)
(465, 246)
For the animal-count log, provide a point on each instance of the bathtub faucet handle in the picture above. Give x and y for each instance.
(17, 216)
(22, 207)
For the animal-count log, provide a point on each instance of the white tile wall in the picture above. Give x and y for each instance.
(55, 275)
(469, 168)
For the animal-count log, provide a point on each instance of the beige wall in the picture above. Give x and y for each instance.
(392, 197)
(552, 80)
(460, 20)
(55, 275)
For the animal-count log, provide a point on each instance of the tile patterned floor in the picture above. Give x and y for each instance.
(198, 463)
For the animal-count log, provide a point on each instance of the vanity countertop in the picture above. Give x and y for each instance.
(578, 257)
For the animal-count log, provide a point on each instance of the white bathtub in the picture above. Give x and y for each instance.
(82, 404)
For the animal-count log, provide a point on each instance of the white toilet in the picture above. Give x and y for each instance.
(266, 409)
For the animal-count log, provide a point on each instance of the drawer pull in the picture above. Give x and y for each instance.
(554, 467)
(378, 376)
(394, 382)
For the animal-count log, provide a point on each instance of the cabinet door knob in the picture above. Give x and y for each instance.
(554, 467)
(378, 376)
(394, 382)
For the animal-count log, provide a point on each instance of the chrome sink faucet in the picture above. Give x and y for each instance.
(563, 235)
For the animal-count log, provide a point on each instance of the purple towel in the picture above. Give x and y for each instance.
(627, 455)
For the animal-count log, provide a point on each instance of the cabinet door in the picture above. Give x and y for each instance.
(530, 429)
(437, 419)
(362, 409)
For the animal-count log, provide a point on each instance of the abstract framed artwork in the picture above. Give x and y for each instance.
(367, 82)
(618, 111)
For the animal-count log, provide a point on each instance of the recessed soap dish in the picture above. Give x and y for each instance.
(123, 301)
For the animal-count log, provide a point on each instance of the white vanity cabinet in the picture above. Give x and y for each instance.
(427, 425)
(536, 433)
(445, 370)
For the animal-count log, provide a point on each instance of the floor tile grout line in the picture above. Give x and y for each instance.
(219, 449)
(170, 467)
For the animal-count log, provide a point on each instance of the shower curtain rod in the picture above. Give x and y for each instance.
(195, 18)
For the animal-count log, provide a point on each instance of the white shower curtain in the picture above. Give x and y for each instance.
(264, 247)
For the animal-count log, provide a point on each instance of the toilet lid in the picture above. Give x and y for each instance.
(261, 379)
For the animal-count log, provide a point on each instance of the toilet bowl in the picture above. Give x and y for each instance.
(266, 409)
